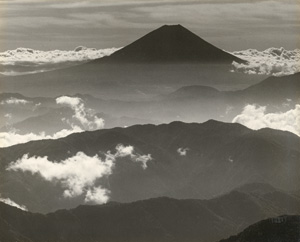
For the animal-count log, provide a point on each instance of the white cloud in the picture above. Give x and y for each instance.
(182, 151)
(272, 61)
(38, 57)
(123, 151)
(14, 101)
(73, 102)
(78, 174)
(255, 117)
(8, 201)
(23, 61)
(12, 138)
(17, 73)
(143, 159)
(75, 173)
(97, 195)
(81, 113)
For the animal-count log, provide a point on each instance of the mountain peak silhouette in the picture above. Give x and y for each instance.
(171, 44)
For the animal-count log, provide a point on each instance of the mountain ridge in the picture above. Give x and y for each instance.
(160, 219)
(218, 157)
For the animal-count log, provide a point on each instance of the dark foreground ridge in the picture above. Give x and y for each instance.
(160, 219)
(283, 228)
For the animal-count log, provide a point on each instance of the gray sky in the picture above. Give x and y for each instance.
(229, 24)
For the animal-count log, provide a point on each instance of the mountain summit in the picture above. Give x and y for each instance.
(168, 57)
(171, 43)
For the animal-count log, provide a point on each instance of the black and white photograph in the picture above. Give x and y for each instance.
(149, 121)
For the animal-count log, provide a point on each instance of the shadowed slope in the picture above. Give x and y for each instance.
(158, 219)
(220, 157)
(283, 228)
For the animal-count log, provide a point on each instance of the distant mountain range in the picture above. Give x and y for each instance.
(279, 94)
(274, 89)
(52, 120)
(163, 219)
(219, 157)
(170, 56)
(271, 90)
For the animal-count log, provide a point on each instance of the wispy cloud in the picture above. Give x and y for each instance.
(256, 117)
(182, 151)
(10, 202)
(81, 113)
(123, 151)
(78, 175)
(12, 137)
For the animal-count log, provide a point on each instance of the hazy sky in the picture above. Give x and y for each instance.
(229, 24)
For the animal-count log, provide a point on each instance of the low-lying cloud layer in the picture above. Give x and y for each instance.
(255, 117)
(28, 61)
(10, 202)
(79, 174)
(272, 61)
(12, 101)
(40, 57)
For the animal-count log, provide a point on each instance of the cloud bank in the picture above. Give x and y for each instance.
(78, 174)
(10, 202)
(39, 57)
(12, 101)
(272, 61)
(255, 117)
(28, 61)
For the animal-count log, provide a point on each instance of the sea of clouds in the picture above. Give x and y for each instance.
(33, 61)
(80, 53)
(272, 61)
